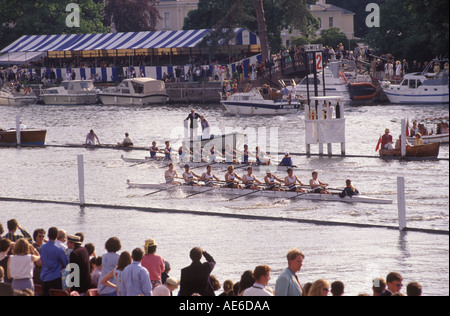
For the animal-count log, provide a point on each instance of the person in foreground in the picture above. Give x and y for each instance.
(135, 278)
(195, 278)
(287, 283)
(259, 288)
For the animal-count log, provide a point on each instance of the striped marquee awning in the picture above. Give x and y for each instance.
(117, 41)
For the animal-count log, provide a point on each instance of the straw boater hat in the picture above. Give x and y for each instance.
(149, 243)
(172, 281)
(74, 239)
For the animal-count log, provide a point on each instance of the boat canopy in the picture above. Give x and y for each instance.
(148, 85)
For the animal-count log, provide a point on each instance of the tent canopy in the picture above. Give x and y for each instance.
(120, 41)
(20, 57)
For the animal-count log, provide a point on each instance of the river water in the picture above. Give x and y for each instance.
(352, 255)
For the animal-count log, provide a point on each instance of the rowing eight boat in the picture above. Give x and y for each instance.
(263, 193)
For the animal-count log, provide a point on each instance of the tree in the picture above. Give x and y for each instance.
(131, 15)
(262, 30)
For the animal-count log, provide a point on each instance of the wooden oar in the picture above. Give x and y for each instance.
(247, 194)
(159, 191)
(198, 193)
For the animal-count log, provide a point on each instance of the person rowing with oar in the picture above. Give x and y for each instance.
(317, 186)
(270, 180)
(168, 152)
(261, 158)
(171, 174)
(208, 177)
(231, 179)
(213, 154)
(189, 176)
(291, 181)
(184, 152)
(249, 180)
(91, 137)
(154, 150)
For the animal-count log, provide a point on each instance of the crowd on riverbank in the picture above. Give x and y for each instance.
(34, 265)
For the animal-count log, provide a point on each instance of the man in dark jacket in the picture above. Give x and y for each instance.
(79, 261)
(195, 278)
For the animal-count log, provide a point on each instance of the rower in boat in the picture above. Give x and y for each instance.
(213, 154)
(231, 179)
(189, 176)
(249, 180)
(349, 190)
(208, 177)
(171, 174)
(197, 154)
(91, 137)
(286, 161)
(270, 180)
(154, 150)
(127, 142)
(184, 152)
(167, 152)
(230, 154)
(291, 181)
(317, 186)
(261, 159)
(245, 155)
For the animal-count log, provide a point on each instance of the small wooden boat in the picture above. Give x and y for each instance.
(257, 193)
(438, 138)
(28, 137)
(428, 151)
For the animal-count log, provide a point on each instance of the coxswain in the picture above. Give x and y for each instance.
(249, 180)
(189, 176)
(171, 174)
(127, 141)
(154, 150)
(291, 181)
(286, 161)
(349, 190)
(208, 177)
(270, 180)
(317, 186)
(167, 152)
(91, 137)
(231, 179)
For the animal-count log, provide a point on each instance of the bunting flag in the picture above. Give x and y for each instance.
(379, 144)
(407, 128)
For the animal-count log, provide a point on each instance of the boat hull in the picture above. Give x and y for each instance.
(70, 99)
(17, 101)
(263, 193)
(28, 137)
(428, 151)
(443, 139)
(111, 99)
(361, 91)
(250, 108)
(397, 96)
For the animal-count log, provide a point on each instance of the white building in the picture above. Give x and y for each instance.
(173, 13)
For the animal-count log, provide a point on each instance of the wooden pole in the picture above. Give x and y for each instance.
(18, 133)
(401, 203)
(403, 138)
(80, 159)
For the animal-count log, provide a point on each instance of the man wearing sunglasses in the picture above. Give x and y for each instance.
(394, 284)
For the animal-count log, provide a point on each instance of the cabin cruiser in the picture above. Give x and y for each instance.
(9, 97)
(256, 102)
(71, 92)
(136, 91)
(419, 88)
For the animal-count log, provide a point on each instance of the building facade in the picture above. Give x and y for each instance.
(173, 13)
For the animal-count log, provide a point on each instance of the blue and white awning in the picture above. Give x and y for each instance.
(129, 40)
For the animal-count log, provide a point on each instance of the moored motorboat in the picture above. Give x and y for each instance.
(28, 137)
(437, 138)
(71, 92)
(136, 91)
(260, 193)
(255, 103)
(8, 97)
(428, 151)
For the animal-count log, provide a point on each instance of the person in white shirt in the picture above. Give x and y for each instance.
(259, 288)
(167, 288)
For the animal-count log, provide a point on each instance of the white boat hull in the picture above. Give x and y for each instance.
(243, 108)
(133, 100)
(441, 97)
(17, 101)
(70, 99)
(263, 193)
(443, 139)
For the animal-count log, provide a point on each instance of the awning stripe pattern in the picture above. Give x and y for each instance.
(128, 40)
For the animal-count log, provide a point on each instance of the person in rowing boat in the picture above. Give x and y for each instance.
(291, 181)
(317, 186)
(197, 154)
(418, 141)
(249, 180)
(387, 141)
(208, 177)
(213, 154)
(91, 137)
(270, 179)
(184, 152)
(171, 174)
(398, 143)
(167, 152)
(127, 141)
(230, 154)
(349, 190)
(261, 159)
(189, 176)
(230, 179)
(286, 161)
(154, 150)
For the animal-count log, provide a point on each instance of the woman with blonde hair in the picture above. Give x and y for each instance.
(21, 265)
(319, 288)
